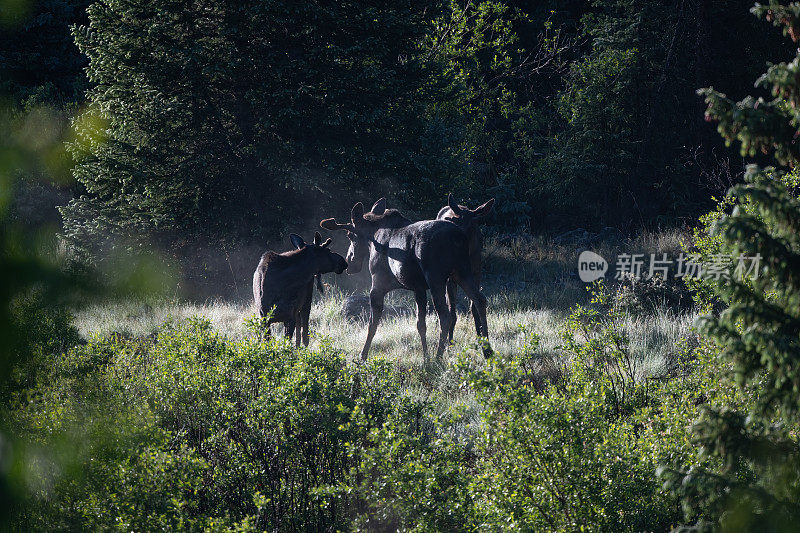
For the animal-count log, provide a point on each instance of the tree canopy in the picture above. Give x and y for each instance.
(228, 121)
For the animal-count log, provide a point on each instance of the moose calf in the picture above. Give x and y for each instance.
(283, 282)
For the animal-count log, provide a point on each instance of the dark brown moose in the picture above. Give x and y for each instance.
(417, 256)
(284, 282)
(468, 220)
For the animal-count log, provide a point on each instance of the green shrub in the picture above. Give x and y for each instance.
(576, 451)
(563, 459)
(748, 463)
(415, 475)
(639, 296)
(707, 243)
(48, 333)
(194, 431)
(190, 430)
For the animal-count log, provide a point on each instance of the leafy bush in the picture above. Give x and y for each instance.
(706, 242)
(193, 431)
(416, 475)
(563, 459)
(639, 296)
(752, 446)
(48, 333)
(577, 451)
(190, 430)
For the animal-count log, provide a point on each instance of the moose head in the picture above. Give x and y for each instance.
(326, 260)
(360, 231)
(463, 215)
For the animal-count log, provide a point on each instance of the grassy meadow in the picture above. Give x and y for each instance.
(581, 420)
(531, 284)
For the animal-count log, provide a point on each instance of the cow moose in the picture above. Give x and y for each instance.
(283, 282)
(468, 220)
(417, 256)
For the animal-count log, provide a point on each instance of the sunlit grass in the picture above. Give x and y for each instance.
(653, 337)
(528, 284)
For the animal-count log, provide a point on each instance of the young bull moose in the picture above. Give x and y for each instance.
(284, 282)
(417, 256)
(468, 220)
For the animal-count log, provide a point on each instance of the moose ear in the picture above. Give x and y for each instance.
(317, 238)
(329, 224)
(326, 243)
(357, 213)
(380, 207)
(297, 241)
(451, 202)
(485, 209)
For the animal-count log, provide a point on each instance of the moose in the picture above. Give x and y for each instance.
(467, 219)
(284, 282)
(417, 256)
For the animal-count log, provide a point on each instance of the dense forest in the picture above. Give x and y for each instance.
(150, 151)
(229, 122)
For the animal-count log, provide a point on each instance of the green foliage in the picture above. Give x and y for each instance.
(35, 288)
(511, 212)
(566, 458)
(576, 452)
(626, 133)
(706, 242)
(192, 431)
(224, 120)
(48, 333)
(607, 95)
(39, 63)
(416, 474)
(601, 348)
(228, 122)
(755, 480)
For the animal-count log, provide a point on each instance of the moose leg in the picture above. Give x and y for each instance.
(477, 318)
(480, 325)
(288, 327)
(305, 312)
(440, 304)
(376, 310)
(422, 310)
(298, 320)
(451, 304)
(478, 306)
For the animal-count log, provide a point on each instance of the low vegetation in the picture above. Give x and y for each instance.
(226, 431)
(629, 404)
